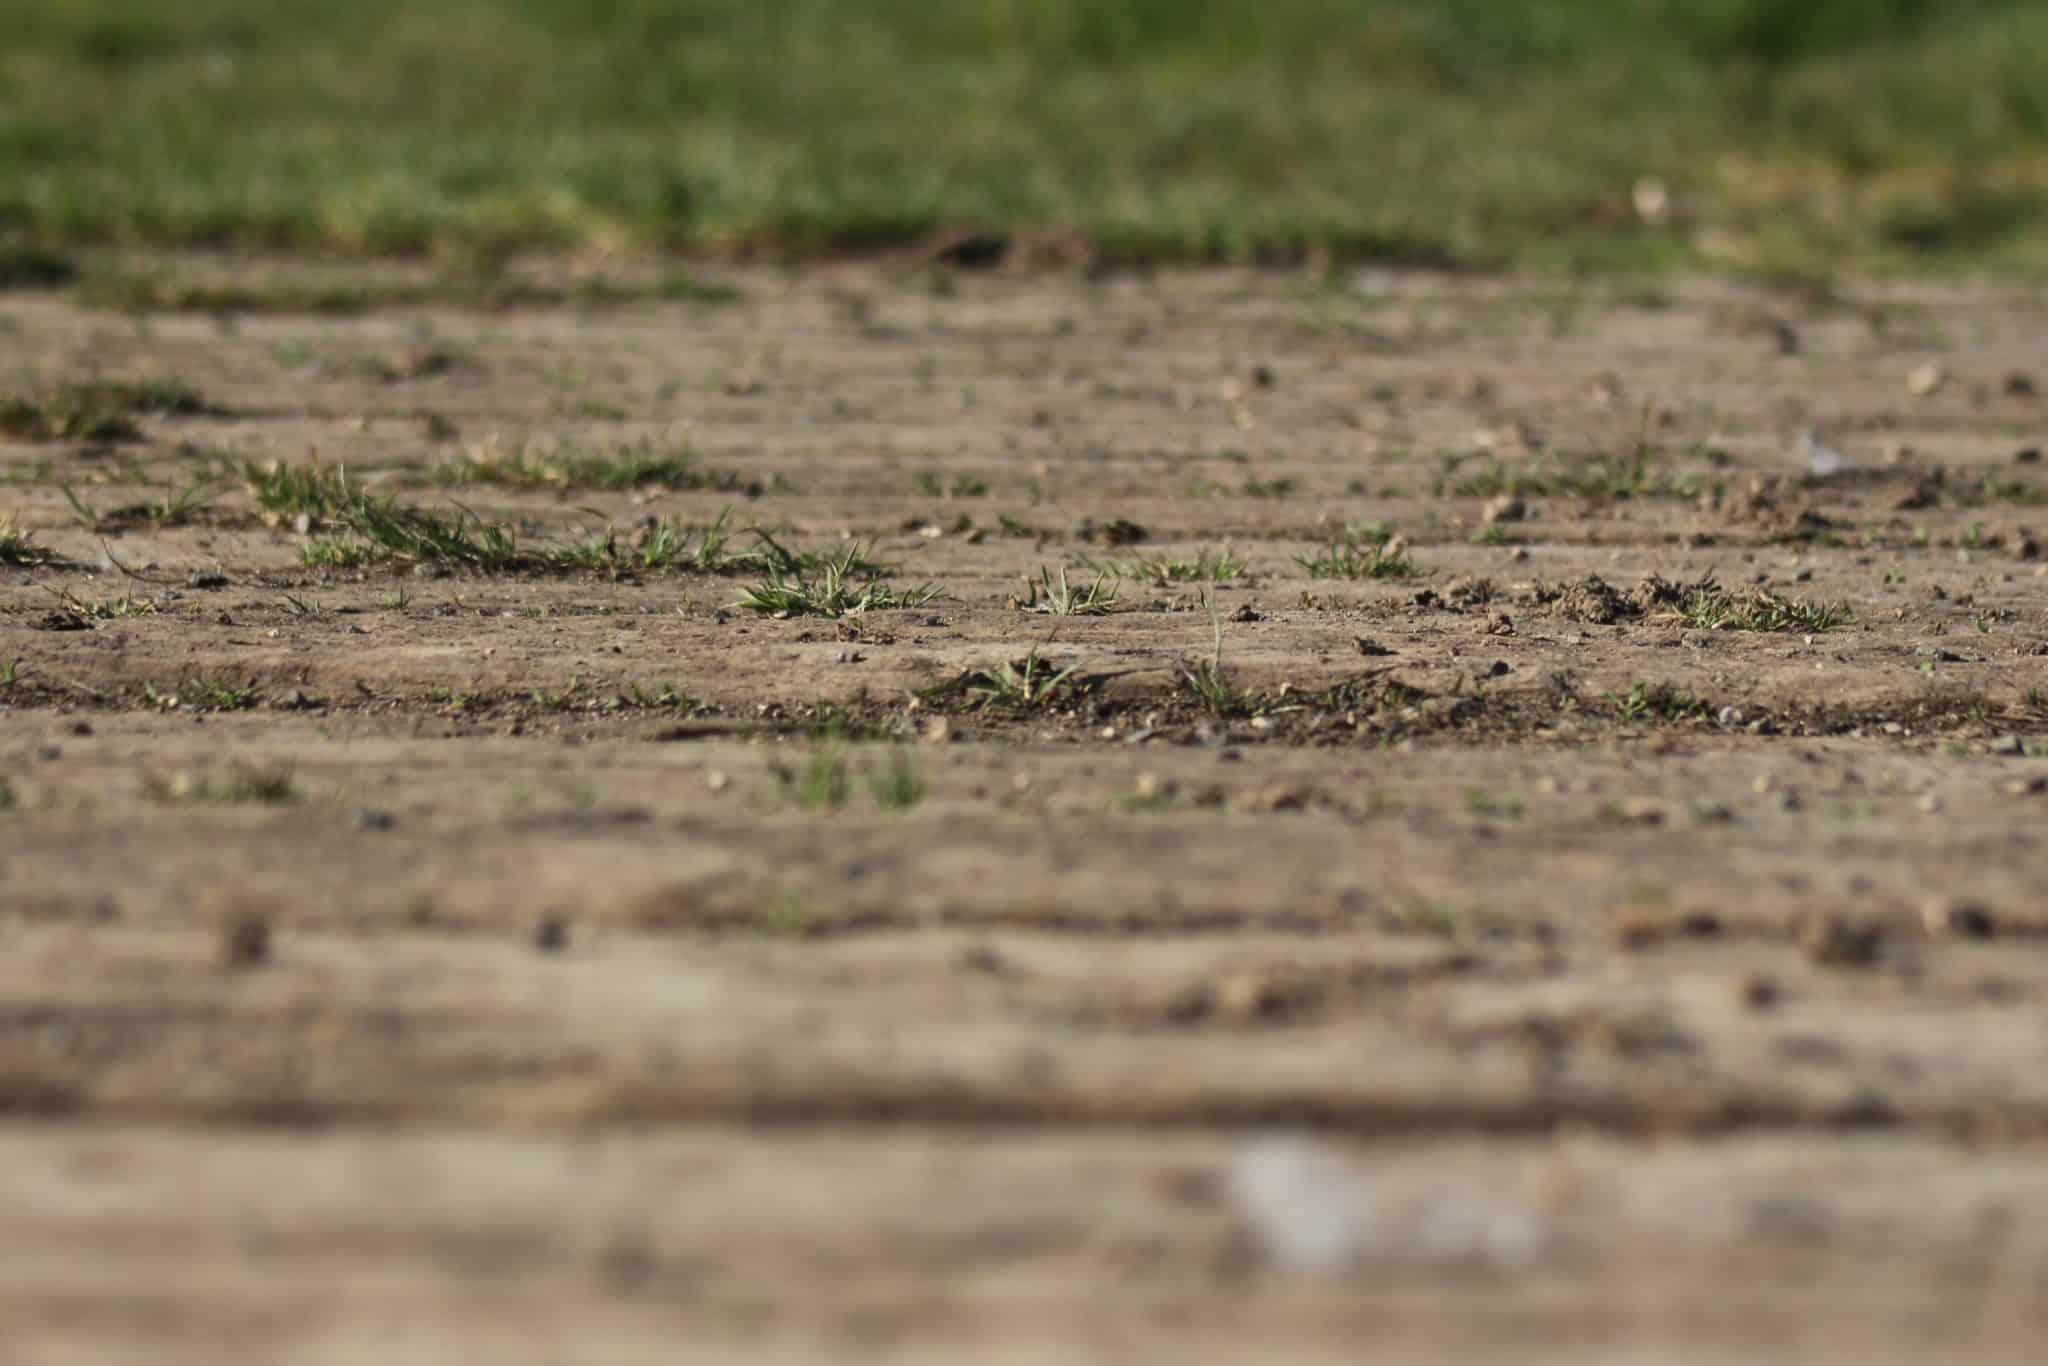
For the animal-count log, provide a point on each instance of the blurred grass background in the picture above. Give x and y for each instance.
(1866, 134)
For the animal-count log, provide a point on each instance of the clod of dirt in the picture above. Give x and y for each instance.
(245, 943)
(1372, 649)
(1926, 380)
(1591, 600)
(202, 578)
(1761, 993)
(1956, 919)
(1837, 941)
(1504, 509)
(2020, 384)
(371, 819)
(551, 935)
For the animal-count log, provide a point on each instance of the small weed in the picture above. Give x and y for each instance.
(18, 546)
(1268, 488)
(670, 698)
(10, 673)
(1373, 554)
(204, 694)
(1055, 596)
(1482, 803)
(962, 486)
(291, 491)
(1210, 566)
(629, 468)
(300, 607)
(1708, 608)
(1116, 531)
(1658, 702)
(825, 784)
(104, 609)
(26, 266)
(100, 413)
(900, 787)
(174, 509)
(565, 700)
(1207, 682)
(332, 552)
(842, 585)
(1026, 685)
(241, 783)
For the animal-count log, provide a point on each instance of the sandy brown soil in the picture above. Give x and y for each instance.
(418, 963)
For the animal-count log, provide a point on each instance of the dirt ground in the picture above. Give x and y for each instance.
(1618, 938)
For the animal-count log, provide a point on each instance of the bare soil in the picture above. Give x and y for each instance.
(1623, 933)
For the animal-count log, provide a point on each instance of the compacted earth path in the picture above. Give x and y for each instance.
(902, 811)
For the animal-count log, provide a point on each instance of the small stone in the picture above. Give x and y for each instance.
(1760, 993)
(1371, 648)
(1730, 716)
(2027, 455)
(716, 780)
(1926, 380)
(2019, 384)
(2027, 787)
(245, 942)
(206, 578)
(1500, 624)
(369, 818)
(551, 935)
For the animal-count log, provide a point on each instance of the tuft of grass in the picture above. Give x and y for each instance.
(670, 698)
(1708, 608)
(899, 787)
(104, 609)
(961, 486)
(629, 468)
(335, 552)
(18, 544)
(1657, 702)
(834, 586)
(25, 265)
(1209, 683)
(240, 783)
(99, 412)
(1053, 595)
(1027, 684)
(175, 508)
(1210, 566)
(1369, 553)
(825, 784)
(10, 673)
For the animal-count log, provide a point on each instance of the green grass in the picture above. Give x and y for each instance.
(1373, 553)
(18, 545)
(1052, 594)
(1838, 133)
(99, 412)
(841, 585)
(1027, 684)
(624, 468)
(1708, 608)
(1210, 566)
